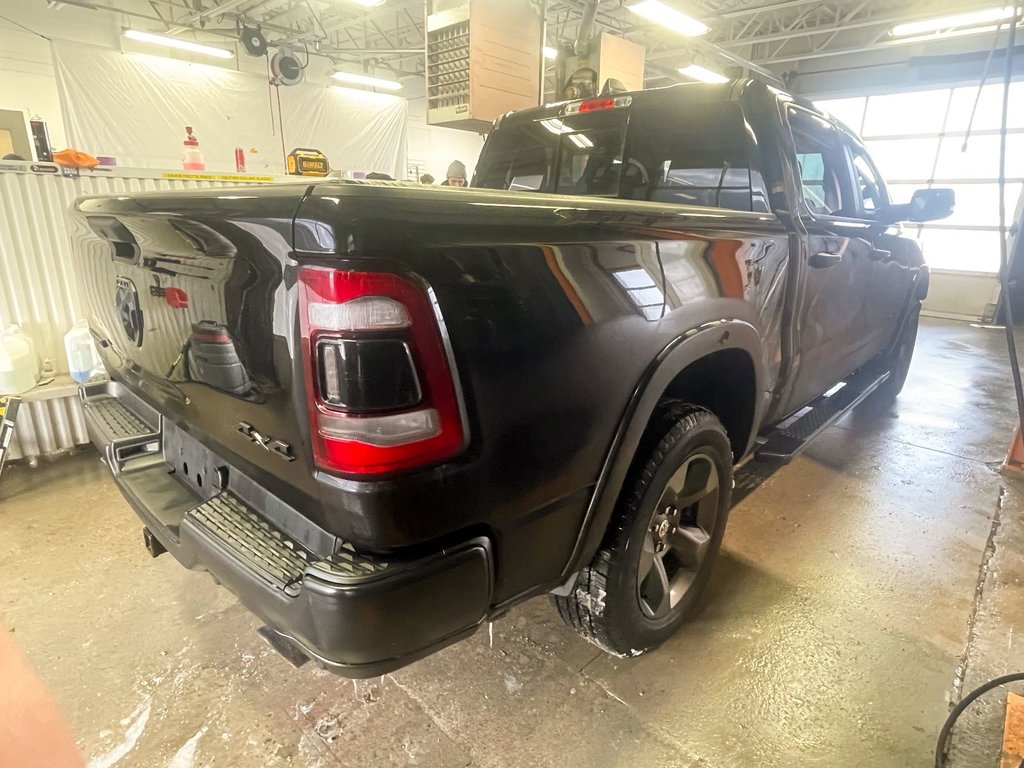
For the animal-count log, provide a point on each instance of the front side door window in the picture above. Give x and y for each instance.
(869, 189)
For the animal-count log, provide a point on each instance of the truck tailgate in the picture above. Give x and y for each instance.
(191, 300)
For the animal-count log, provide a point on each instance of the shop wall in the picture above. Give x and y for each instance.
(150, 98)
(432, 148)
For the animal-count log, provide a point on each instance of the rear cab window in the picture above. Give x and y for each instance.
(570, 155)
(683, 148)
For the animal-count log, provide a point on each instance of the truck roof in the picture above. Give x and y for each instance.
(708, 92)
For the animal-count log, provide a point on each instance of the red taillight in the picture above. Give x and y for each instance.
(379, 383)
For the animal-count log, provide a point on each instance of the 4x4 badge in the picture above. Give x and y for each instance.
(267, 443)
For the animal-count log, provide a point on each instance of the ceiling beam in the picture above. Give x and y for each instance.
(878, 46)
(758, 9)
(843, 26)
(201, 16)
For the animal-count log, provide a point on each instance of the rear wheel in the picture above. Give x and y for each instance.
(663, 540)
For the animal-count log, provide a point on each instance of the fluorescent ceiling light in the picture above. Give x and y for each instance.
(177, 42)
(550, 53)
(367, 3)
(369, 82)
(943, 35)
(944, 23)
(702, 74)
(669, 17)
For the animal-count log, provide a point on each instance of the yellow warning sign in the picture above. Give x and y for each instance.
(215, 177)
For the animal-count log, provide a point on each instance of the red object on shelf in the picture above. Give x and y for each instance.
(192, 159)
(175, 297)
(239, 159)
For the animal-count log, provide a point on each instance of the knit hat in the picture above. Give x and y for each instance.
(456, 170)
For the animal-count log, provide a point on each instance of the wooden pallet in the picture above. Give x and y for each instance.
(1013, 733)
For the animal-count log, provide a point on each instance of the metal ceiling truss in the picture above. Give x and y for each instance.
(751, 34)
(781, 34)
(392, 36)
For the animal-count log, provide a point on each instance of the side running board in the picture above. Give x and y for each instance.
(787, 441)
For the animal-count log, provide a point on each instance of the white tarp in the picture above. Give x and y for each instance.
(357, 130)
(136, 106)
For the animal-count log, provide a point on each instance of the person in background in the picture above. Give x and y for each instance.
(456, 175)
(378, 176)
(426, 178)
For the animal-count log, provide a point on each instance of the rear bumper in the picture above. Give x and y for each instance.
(357, 615)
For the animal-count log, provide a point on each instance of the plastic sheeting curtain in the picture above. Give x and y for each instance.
(136, 106)
(347, 125)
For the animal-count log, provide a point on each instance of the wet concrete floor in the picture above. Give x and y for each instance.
(861, 589)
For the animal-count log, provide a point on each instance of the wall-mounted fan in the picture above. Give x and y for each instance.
(253, 40)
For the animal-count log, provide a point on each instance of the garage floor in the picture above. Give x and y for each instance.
(860, 588)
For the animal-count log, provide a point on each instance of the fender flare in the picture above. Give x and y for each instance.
(695, 344)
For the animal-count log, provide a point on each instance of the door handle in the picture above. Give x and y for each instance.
(825, 259)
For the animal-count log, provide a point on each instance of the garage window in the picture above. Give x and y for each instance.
(917, 140)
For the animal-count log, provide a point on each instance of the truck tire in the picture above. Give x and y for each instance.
(663, 539)
(899, 360)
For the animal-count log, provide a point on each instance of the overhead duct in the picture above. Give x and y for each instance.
(585, 31)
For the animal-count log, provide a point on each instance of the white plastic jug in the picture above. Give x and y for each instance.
(19, 368)
(81, 352)
(18, 331)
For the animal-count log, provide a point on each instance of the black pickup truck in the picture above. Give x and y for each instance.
(381, 414)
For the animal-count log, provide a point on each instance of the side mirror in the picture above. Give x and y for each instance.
(931, 204)
(925, 205)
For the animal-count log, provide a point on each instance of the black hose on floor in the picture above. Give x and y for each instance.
(1011, 346)
(965, 702)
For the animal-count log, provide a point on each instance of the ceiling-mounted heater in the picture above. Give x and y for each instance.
(483, 60)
